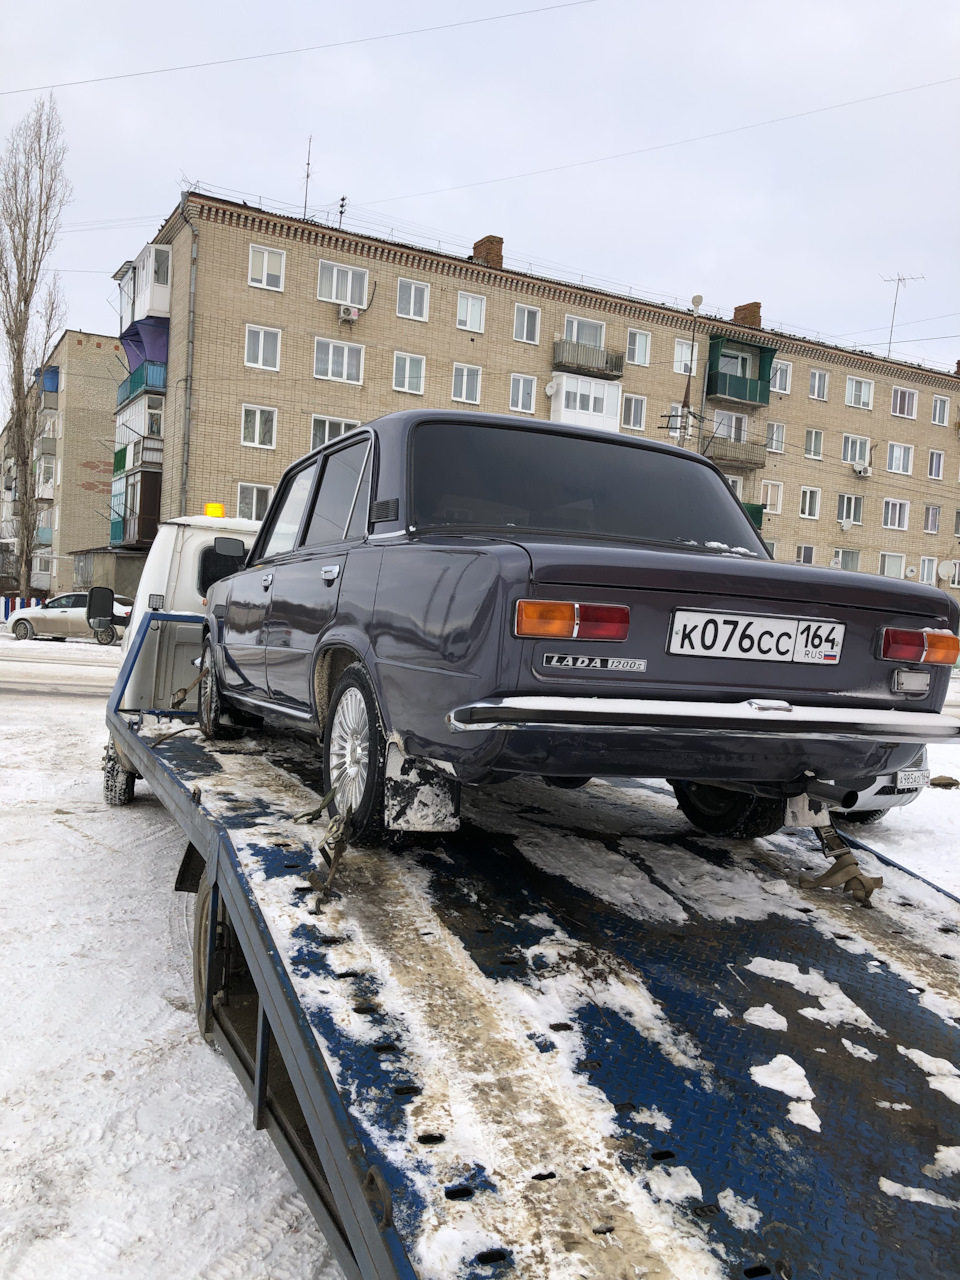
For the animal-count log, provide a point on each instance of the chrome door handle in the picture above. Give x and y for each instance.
(266, 580)
(330, 572)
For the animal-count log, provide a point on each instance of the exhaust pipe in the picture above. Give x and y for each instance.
(830, 794)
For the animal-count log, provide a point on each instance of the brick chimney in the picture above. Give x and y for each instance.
(748, 314)
(489, 251)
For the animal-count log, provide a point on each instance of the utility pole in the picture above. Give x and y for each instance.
(900, 280)
(306, 188)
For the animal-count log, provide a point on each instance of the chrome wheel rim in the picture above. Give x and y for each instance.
(349, 750)
(206, 691)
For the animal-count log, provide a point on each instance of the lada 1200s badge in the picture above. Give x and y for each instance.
(586, 662)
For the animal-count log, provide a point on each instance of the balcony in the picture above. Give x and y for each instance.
(741, 452)
(149, 376)
(49, 400)
(45, 446)
(44, 537)
(116, 531)
(729, 386)
(577, 357)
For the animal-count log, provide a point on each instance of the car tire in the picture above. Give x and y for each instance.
(564, 784)
(859, 816)
(22, 630)
(209, 704)
(719, 812)
(354, 754)
(106, 636)
(118, 782)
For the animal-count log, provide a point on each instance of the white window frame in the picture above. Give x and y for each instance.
(736, 425)
(329, 377)
(414, 286)
(907, 392)
(772, 488)
(805, 501)
(676, 414)
(856, 398)
(805, 546)
(253, 505)
(345, 424)
(527, 310)
(928, 571)
(777, 437)
(632, 336)
(633, 399)
(517, 380)
(470, 298)
(955, 580)
(258, 364)
(742, 358)
(851, 450)
(935, 471)
(840, 552)
(258, 409)
(907, 454)
(736, 484)
(681, 356)
(902, 506)
(807, 453)
(577, 320)
(943, 404)
(406, 388)
(815, 376)
(262, 284)
(891, 555)
(465, 368)
(777, 367)
(930, 519)
(348, 301)
(850, 507)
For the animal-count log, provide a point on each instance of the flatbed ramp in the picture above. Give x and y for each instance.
(577, 1040)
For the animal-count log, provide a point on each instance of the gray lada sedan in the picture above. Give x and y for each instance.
(452, 598)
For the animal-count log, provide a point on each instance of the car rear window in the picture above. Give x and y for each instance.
(466, 475)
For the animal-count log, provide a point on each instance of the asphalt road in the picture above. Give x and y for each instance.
(74, 667)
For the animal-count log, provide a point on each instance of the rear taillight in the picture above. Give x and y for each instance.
(920, 646)
(565, 620)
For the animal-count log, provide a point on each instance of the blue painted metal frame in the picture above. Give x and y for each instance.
(365, 1250)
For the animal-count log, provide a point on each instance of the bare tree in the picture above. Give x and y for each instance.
(33, 193)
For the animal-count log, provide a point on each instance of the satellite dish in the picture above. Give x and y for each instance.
(550, 389)
(697, 299)
(911, 572)
(846, 525)
(945, 572)
(836, 563)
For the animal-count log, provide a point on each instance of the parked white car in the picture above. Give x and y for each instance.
(65, 617)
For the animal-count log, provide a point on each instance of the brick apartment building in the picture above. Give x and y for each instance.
(253, 337)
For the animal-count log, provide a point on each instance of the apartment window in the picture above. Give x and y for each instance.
(904, 404)
(850, 507)
(259, 425)
(771, 496)
(956, 524)
(900, 459)
(846, 559)
(678, 421)
(323, 430)
(337, 283)
(466, 382)
(523, 393)
(736, 484)
(775, 435)
(804, 555)
(638, 347)
(813, 445)
(470, 312)
(155, 416)
(730, 426)
(252, 501)
(856, 449)
(955, 578)
(931, 519)
(810, 503)
(526, 324)
(161, 266)
(685, 358)
(413, 300)
(891, 564)
(408, 373)
(928, 570)
(941, 411)
(583, 395)
(859, 393)
(634, 412)
(587, 332)
(896, 513)
(935, 465)
(781, 376)
(338, 361)
(819, 378)
(736, 363)
(771, 548)
(266, 268)
(263, 348)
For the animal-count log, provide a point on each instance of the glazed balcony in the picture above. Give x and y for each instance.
(149, 376)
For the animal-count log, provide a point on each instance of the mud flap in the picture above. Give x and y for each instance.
(417, 795)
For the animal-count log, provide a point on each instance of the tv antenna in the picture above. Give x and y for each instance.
(306, 187)
(901, 282)
(343, 209)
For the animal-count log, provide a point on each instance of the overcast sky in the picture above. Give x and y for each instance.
(805, 215)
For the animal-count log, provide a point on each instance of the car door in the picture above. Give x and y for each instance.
(54, 619)
(77, 624)
(306, 586)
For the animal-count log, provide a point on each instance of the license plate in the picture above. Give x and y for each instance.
(913, 779)
(759, 639)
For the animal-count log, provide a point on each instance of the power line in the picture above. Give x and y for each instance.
(311, 48)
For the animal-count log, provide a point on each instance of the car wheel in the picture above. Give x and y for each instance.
(564, 784)
(22, 630)
(729, 813)
(859, 815)
(209, 706)
(354, 751)
(106, 636)
(118, 782)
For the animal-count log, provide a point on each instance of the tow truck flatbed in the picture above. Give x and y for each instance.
(573, 1039)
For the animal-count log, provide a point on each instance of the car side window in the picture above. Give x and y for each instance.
(286, 521)
(359, 520)
(335, 496)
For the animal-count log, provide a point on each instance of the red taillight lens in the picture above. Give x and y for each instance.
(564, 620)
(919, 646)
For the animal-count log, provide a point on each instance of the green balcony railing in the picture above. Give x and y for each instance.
(731, 386)
(149, 376)
(116, 531)
(119, 460)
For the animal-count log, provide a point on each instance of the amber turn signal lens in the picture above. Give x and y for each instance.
(941, 649)
(550, 619)
(920, 646)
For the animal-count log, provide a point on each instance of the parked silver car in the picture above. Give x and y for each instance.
(65, 617)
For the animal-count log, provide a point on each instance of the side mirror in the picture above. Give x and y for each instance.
(99, 608)
(232, 547)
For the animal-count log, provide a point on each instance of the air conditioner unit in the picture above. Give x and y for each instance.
(349, 314)
(862, 469)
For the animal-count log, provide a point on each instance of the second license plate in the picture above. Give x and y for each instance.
(761, 639)
(908, 779)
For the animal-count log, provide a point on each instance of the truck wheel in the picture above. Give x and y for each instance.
(106, 636)
(354, 751)
(22, 630)
(729, 813)
(118, 782)
(859, 815)
(201, 929)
